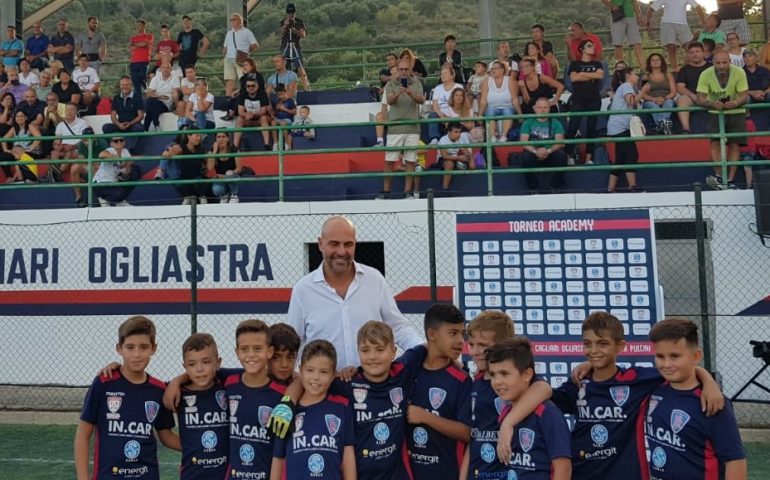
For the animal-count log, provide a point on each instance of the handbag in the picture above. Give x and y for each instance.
(636, 127)
(240, 55)
(617, 14)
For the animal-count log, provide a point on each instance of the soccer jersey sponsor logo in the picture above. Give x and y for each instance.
(381, 432)
(190, 400)
(113, 405)
(233, 408)
(488, 453)
(679, 419)
(315, 463)
(654, 401)
(209, 440)
(620, 394)
(264, 415)
(599, 434)
(246, 452)
(526, 439)
(420, 436)
(332, 424)
(436, 396)
(299, 421)
(151, 409)
(131, 450)
(512, 475)
(221, 398)
(359, 394)
(396, 395)
(658, 457)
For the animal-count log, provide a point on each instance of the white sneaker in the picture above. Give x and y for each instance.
(123, 203)
(234, 199)
(187, 200)
(160, 174)
(495, 139)
(224, 199)
(409, 195)
(502, 139)
(202, 200)
(571, 161)
(104, 203)
(416, 194)
(589, 162)
(275, 147)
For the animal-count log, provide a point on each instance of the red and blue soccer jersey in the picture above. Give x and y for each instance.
(321, 433)
(607, 439)
(447, 393)
(251, 442)
(125, 415)
(685, 444)
(486, 408)
(537, 441)
(204, 432)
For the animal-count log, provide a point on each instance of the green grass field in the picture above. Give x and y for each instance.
(35, 452)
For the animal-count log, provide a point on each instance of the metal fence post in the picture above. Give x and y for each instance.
(90, 175)
(194, 277)
(432, 247)
(723, 148)
(700, 237)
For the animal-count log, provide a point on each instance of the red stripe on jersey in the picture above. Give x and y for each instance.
(698, 392)
(539, 410)
(115, 375)
(278, 387)
(96, 454)
(460, 375)
(405, 459)
(641, 451)
(460, 453)
(479, 375)
(627, 376)
(227, 477)
(710, 462)
(232, 379)
(503, 413)
(156, 382)
(338, 399)
(396, 368)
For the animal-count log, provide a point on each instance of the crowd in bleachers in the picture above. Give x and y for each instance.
(48, 83)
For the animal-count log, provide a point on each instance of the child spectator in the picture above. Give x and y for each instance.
(708, 50)
(203, 422)
(440, 413)
(323, 438)
(683, 442)
(540, 449)
(453, 155)
(303, 119)
(284, 108)
(122, 411)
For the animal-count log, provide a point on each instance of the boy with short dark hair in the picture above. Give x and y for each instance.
(684, 444)
(440, 412)
(122, 410)
(286, 343)
(284, 109)
(540, 447)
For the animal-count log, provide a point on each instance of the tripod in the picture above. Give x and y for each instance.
(290, 52)
(760, 350)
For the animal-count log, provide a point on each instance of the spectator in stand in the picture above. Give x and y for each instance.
(440, 101)
(404, 96)
(708, 50)
(162, 95)
(452, 155)
(87, 79)
(533, 53)
(546, 47)
(282, 75)
(382, 115)
(186, 88)
(418, 69)
(586, 75)
(499, 97)
(26, 75)
(7, 107)
(460, 107)
(226, 168)
(188, 143)
(764, 54)
(625, 83)
(533, 86)
(292, 32)
(724, 88)
(140, 46)
(127, 113)
(44, 87)
(193, 44)
(758, 78)
(576, 35)
(93, 43)
(32, 108)
(711, 31)
(285, 108)
(238, 45)
(62, 45)
(733, 19)
(167, 49)
(37, 47)
(12, 49)
(659, 92)
(26, 171)
(27, 137)
(303, 119)
(735, 49)
(674, 30)
(70, 126)
(53, 113)
(687, 83)
(112, 172)
(66, 90)
(250, 72)
(55, 68)
(540, 129)
(510, 65)
(474, 84)
(3, 75)
(386, 75)
(626, 19)
(253, 107)
(14, 85)
(453, 58)
(200, 107)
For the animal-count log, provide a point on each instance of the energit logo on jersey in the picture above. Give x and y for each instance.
(315, 463)
(679, 419)
(436, 396)
(209, 440)
(620, 394)
(221, 398)
(332, 424)
(526, 439)
(151, 410)
(396, 395)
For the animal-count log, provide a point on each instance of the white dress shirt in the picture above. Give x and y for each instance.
(316, 311)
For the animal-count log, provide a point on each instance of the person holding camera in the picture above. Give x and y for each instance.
(292, 32)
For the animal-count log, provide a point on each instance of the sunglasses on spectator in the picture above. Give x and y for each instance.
(251, 85)
(118, 140)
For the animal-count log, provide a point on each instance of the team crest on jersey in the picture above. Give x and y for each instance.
(436, 396)
(679, 419)
(500, 404)
(620, 394)
(113, 405)
(359, 394)
(233, 407)
(332, 424)
(299, 421)
(190, 400)
(396, 396)
(221, 398)
(151, 410)
(264, 415)
(652, 406)
(526, 439)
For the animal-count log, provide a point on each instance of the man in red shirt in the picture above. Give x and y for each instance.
(576, 34)
(168, 49)
(141, 45)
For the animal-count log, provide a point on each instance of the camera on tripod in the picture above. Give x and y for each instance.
(761, 350)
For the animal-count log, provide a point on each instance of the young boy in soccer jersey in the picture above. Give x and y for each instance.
(439, 416)
(322, 444)
(606, 439)
(285, 342)
(122, 410)
(540, 447)
(251, 397)
(203, 423)
(484, 331)
(684, 444)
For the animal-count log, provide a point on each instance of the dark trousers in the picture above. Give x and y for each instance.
(138, 72)
(132, 143)
(118, 194)
(582, 105)
(153, 108)
(544, 182)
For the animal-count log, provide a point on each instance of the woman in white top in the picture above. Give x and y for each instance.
(200, 106)
(500, 97)
(115, 171)
(625, 84)
(26, 75)
(735, 49)
(440, 98)
(186, 88)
